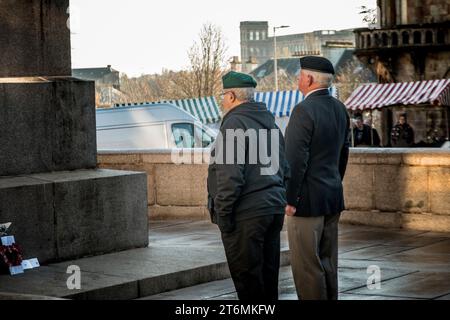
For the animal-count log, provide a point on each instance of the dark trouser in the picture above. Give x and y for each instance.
(314, 256)
(253, 255)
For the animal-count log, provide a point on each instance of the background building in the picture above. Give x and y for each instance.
(412, 42)
(257, 46)
(107, 84)
(410, 46)
(102, 76)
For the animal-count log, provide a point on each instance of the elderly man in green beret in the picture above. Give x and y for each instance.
(246, 192)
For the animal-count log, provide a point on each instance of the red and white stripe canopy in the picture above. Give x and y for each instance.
(375, 96)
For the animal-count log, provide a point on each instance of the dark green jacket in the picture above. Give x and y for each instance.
(239, 190)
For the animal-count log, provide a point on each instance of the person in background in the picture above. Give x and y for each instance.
(402, 135)
(363, 133)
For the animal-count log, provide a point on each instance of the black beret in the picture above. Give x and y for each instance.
(238, 80)
(315, 63)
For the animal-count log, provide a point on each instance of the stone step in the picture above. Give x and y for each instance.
(70, 214)
(130, 274)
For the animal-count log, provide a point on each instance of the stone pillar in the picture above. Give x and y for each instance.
(60, 204)
(34, 38)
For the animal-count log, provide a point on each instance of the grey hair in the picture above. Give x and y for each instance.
(244, 94)
(323, 79)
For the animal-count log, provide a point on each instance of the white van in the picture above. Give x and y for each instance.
(156, 126)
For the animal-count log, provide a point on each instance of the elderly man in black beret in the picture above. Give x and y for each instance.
(246, 194)
(317, 148)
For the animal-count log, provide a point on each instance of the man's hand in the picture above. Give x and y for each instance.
(290, 211)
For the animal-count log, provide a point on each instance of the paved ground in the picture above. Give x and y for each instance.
(185, 254)
(414, 264)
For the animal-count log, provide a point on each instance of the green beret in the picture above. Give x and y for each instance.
(315, 63)
(238, 80)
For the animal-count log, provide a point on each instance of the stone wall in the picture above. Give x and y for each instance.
(417, 11)
(383, 187)
(428, 11)
(174, 191)
(399, 188)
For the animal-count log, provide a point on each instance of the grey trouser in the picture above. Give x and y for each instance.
(313, 242)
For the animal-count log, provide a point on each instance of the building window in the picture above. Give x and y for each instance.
(256, 35)
(361, 40)
(394, 39)
(440, 37)
(405, 37)
(429, 37)
(369, 41)
(376, 40)
(417, 35)
(250, 37)
(263, 35)
(384, 39)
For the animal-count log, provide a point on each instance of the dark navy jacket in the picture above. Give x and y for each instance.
(317, 149)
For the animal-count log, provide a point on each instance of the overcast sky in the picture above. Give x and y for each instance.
(146, 36)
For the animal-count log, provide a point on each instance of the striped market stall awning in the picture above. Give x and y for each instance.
(376, 96)
(204, 109)
(281, 103)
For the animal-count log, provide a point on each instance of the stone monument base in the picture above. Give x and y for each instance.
(70, 214)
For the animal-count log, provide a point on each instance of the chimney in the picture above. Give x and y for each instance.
(235, 64)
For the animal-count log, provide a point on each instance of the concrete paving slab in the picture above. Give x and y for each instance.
(350, 279)
(372, 252)
(49, 281)
(204, 291)
(419, 241)
(441, 248)
(350, 296)
(13, 296)
(410, 263)
(417, 261)
(378, 235)
(141, 263)
(424, 285)
(352, 245)
(170, 264)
